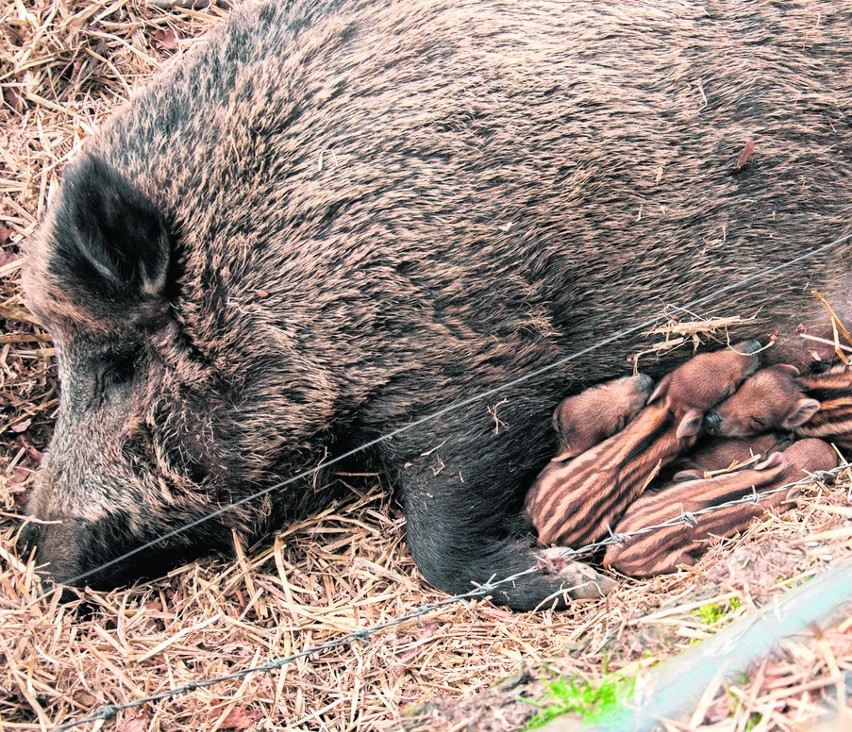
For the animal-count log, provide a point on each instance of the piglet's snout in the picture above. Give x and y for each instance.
(712, 422)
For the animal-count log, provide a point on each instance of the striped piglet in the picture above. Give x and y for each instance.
(662, 550)
(722, 454)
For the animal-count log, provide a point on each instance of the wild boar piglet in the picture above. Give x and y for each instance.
(585, 419)
(777, 397)
(716, 454)
(705, 380)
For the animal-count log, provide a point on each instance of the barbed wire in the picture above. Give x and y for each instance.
(448, 409)
(109, 711)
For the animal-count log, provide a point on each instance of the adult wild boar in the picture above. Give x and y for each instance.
(337, 216)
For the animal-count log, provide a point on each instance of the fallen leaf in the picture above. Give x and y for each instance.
(744, 156)
(240, 719)
(34, 453)
(135, 724)
(165, 39)
(14, 99)
(17, 485)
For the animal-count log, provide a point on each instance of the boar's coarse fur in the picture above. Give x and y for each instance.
(336, 216)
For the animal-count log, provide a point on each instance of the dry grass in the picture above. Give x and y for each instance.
(64, 65)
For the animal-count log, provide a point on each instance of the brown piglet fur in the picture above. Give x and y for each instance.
(585, 419)
(716, 454)
(777, 397)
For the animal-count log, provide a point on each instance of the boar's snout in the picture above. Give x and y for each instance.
(67, 548)
(80, 553)
(86, 517)
(55, 546)
(55, 550)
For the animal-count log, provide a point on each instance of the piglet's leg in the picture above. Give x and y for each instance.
(663, 550)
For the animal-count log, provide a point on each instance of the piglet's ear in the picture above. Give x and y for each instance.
(803, 410)
(566, 454)
(786, 368)
(775, 460)
(690, 423)
(109, 238)
(661, 390)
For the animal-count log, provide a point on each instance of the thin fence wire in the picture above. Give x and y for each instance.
(109, 711)
(451, 408)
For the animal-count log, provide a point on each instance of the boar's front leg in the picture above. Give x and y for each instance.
(462, 489)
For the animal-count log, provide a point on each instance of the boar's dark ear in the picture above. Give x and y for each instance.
(109, 237)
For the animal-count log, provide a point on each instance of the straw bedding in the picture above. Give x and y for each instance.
(63, 65)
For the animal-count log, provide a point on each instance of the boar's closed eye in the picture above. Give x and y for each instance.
(119, 369)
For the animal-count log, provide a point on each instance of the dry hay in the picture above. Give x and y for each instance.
(64, 65)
